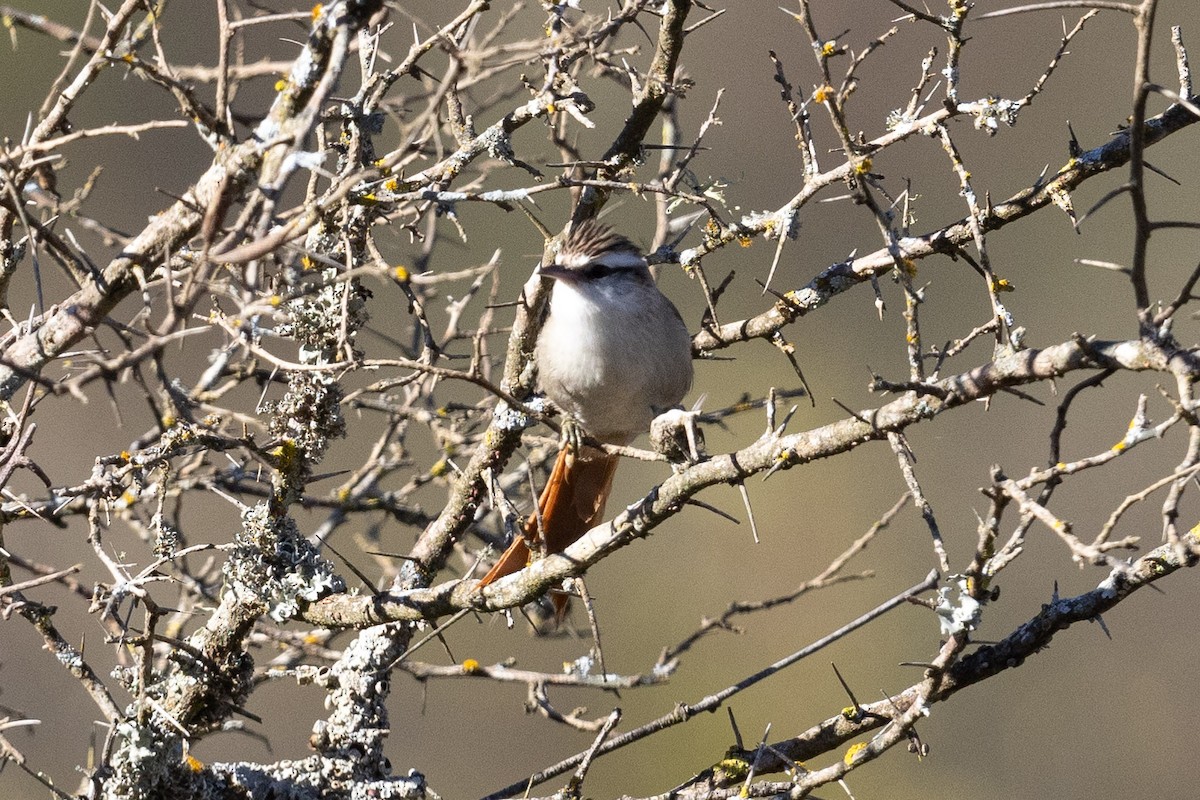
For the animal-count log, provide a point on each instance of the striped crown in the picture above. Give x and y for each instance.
(592, 242)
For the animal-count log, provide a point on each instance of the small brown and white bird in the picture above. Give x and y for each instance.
(613, 354)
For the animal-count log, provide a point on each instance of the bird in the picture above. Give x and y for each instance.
(613, 354)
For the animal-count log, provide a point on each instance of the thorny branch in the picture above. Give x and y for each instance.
(269, 261)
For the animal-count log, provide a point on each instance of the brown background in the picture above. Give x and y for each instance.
(1088, 718)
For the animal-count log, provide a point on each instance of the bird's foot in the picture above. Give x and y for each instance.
(676, 435)
(572, 434)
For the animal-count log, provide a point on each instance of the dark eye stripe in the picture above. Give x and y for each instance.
(594, 270)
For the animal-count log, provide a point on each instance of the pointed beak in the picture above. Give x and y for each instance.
(555, 271)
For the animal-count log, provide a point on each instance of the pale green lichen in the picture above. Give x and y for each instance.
(273, 562)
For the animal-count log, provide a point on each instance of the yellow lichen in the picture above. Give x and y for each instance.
(735, 768)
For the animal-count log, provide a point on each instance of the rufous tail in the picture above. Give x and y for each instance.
(572, 503)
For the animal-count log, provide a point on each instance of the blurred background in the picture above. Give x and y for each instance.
(1089, 717)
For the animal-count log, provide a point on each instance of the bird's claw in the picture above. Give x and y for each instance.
(676, 435)
(572, 434)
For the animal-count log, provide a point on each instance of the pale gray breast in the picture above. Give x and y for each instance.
(614, 353)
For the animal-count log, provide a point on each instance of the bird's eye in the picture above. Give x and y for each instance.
(597, 270)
